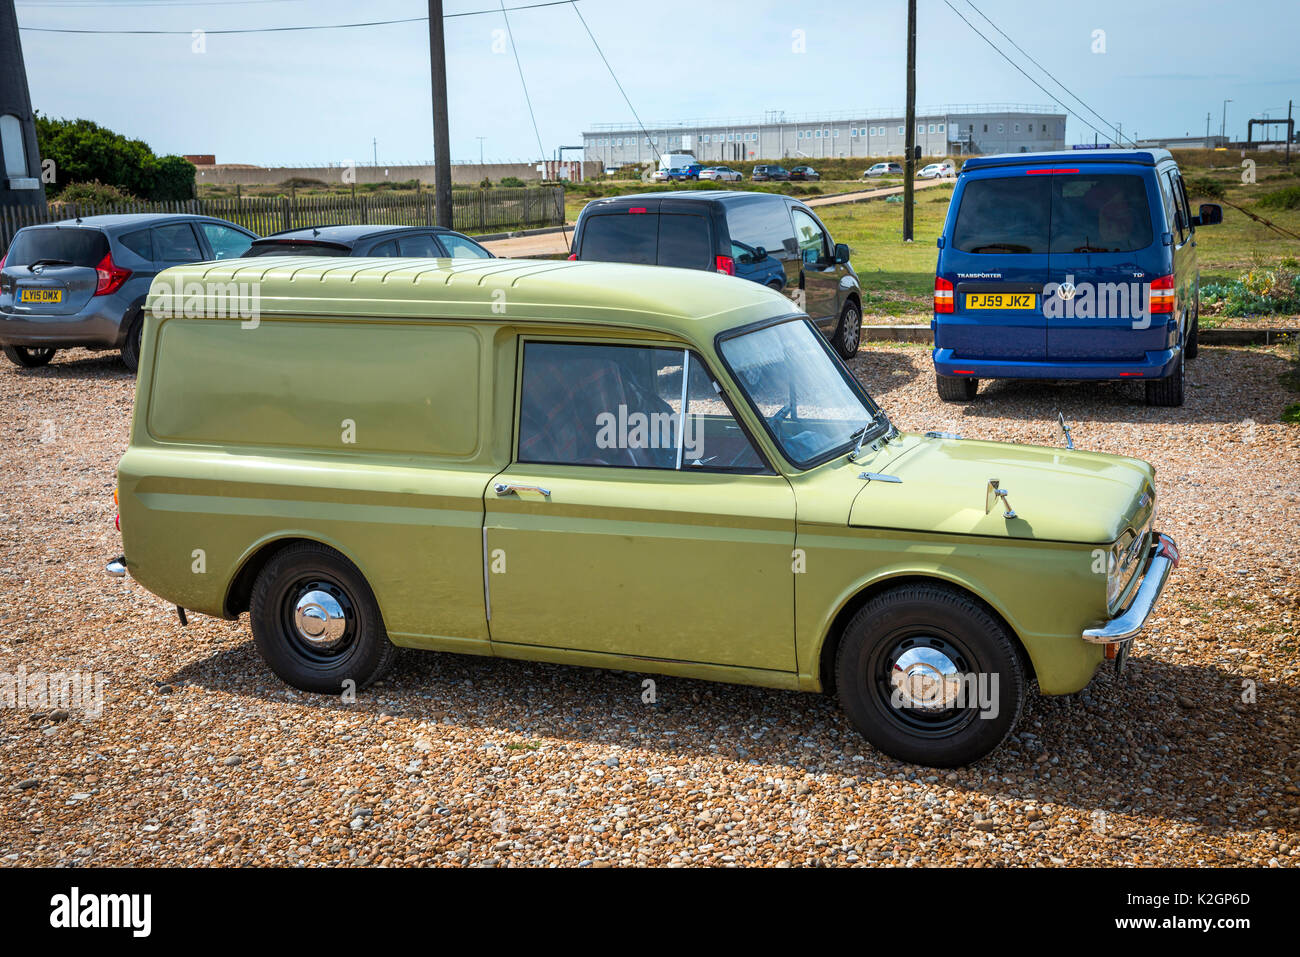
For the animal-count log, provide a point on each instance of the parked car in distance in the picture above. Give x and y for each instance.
(483, 498)
(764, 237)
(659, 176)
(767, 173)
(1078, 264)
(81, 283)
(938, 170)
(805, 173)
(883, 169)
(358, 240)
(721, 174)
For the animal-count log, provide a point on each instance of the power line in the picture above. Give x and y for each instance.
(322, 26)
(531, 114)
(1055, 99)
(641, 125)
(1045, 70)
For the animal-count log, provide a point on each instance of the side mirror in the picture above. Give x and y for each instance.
(842, 253)
(759, 254)
(1210, 214)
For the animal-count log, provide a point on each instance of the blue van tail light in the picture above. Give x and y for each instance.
(943, 295)
(109, 277)
(1162, 294)
(1048, 172)
(726, 265)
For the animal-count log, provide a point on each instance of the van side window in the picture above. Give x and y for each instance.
(1167, 198)
(176, 243)
(813, 245)
(1181, 194)
(763, 223)
(625, 407)
(1179, 224)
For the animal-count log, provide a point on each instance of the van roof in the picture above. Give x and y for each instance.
(689, 303)
(1142, 157)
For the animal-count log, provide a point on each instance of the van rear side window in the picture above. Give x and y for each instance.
(1067, 213)
(670, 239)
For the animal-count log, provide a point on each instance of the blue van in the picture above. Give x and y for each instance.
(1068, 265)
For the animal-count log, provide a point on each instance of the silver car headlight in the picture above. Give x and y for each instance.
(1125, 560)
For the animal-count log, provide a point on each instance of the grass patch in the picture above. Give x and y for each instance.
(1291, 414)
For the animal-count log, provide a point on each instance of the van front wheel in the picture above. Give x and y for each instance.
(928, 675)
(316, 622)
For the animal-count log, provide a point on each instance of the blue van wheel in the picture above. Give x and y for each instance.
(956, 389)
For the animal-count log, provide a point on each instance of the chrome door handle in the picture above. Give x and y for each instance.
(502, 488)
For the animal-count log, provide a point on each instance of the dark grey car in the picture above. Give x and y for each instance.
(362, 240)
(83, 282)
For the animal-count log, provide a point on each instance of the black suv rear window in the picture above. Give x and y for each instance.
(77, 246)
(1060, 213)
(670, 239)
(293, 249)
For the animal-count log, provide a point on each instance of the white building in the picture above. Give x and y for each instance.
(940, 131)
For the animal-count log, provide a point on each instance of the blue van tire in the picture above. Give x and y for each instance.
(1168, 392)
(956, 388)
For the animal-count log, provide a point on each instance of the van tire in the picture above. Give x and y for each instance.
(1168, 392)
(134, 322)
(917, 616)
(360, 654)
(955, 388)
(1194, 332)
(848, 331)
(29, 357)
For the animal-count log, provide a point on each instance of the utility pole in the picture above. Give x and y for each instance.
(1207, 129)
(441, 135)
(909, 162)
(374, 144)
(1290, 125)
(20, 164)
(1223, 125)
(480, 148)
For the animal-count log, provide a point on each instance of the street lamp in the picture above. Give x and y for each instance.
(1223, 126)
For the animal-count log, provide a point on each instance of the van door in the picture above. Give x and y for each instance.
(997, 261)
(1105, 253)
(818, 274)
(637, 517)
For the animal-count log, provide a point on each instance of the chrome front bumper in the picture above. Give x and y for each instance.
(1161, 560)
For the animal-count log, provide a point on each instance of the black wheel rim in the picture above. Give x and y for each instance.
(318, 619)
(907, 682)
(38, 355)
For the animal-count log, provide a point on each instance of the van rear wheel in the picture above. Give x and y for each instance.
(848, 333)
(316, 622)
(956, 389)
(1168, 391)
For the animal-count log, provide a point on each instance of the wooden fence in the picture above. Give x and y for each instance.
(473, 210)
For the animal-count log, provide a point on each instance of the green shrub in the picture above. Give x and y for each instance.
(96, 194)
(1205, 187)
(1286, 198)
(85, 152)
(513, 182)
(1258, 291)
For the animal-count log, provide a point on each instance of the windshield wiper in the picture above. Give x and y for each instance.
(31, 267)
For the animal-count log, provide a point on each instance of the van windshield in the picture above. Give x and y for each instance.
(1061, 213)
(804, 397)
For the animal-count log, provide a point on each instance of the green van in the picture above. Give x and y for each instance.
(627, 467)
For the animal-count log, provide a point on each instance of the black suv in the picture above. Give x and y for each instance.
(763, 174)
(763, 237)
(433, 242)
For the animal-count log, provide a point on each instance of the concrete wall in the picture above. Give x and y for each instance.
(468, 174)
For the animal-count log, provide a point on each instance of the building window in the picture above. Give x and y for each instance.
(986, 127)
(940, 127)
(1017, 127)
(837, 133)
(1001, 128)
(931, 127)
(900, 131)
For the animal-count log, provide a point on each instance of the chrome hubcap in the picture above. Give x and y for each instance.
(320, 619)
(926, 678)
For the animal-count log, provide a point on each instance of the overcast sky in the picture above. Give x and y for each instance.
(321, 96)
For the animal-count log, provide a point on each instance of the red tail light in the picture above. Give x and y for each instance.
(2, 260)
(109, 277)
(726, 264)
(1048, 172)
(573, 255)
(943, 295)
(636, 209)
(1162, 294)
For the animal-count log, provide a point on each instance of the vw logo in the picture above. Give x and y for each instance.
(1065, 290)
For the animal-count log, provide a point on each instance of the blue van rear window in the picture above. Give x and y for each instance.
(1061, 213)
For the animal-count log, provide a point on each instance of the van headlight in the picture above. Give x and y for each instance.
(1124, 563)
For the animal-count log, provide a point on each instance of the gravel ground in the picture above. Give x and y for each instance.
(201, 757)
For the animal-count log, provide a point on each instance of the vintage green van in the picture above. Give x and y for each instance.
(628, 467)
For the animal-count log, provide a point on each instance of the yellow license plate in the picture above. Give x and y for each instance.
(1001, 300)
(41, 295)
